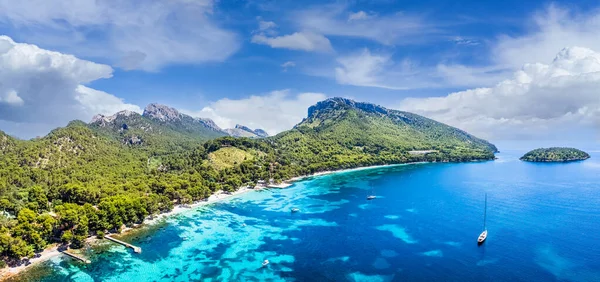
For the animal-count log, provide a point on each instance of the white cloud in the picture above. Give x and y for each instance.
(274, 112)
(99, 102)
(461, 75)
(362, 69)
(45, 88)
(11, 97)
(360, 15)
(459, 40)
(380, 70)
(393, 29)
(550, 31)
(131, 34)
(287, 65)
(547, 32)
(265, 25)
(306, 41)
(541, 100)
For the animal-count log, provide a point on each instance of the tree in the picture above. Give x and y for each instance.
(66, 237)
(36, 194)
(19, 249)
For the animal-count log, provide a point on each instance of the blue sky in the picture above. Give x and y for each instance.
(471, 64)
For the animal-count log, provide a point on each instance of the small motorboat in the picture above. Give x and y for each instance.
(295, 209)
(265, 263)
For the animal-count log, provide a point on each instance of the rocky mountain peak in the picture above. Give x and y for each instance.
(244, 131)
(103, 120)
(209, 123)
(161, 113)
(99, 118)
(344, 104)
(261, 132)
(242, 127)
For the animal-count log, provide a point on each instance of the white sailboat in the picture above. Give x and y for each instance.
(371, 196)
(483, 234)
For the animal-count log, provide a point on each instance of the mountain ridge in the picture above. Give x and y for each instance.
(338, 103)
(162, 119)
(341, 133)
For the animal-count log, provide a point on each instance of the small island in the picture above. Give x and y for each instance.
(555, 154)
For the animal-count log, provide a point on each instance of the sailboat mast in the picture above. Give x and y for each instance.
(485, 211)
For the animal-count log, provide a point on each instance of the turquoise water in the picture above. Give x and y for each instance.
(542, 221)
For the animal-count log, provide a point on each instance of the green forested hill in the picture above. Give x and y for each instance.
(555, 154)
(341, 133)
(86, 179)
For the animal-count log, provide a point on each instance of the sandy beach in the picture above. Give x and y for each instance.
(300, 178)
(8, 272)
(216, 197)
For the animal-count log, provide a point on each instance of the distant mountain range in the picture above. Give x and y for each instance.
(244, 131)
(159, 122)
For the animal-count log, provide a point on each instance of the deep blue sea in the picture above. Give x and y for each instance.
(543, 222)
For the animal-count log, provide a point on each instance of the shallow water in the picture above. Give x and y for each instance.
(542, 222)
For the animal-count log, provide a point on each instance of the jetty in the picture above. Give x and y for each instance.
(77, 257)
(135, 249)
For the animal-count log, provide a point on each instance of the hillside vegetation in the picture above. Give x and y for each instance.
(555, 154)
(341, 133)
(87, 179)
(228, 157)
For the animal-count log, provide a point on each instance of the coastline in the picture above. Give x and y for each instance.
(53, 251)
(45, 255)
(218, 196)
(326, 172)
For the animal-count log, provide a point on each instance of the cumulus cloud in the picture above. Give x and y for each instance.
(99, 102)
(46, 88)
(274, 112)
(546, 33)
(305, 41)
(131, 34)
(550, 30)
(541, 100)
(11, 97)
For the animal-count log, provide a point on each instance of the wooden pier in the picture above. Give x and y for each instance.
(135, 249)
(77, 257)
